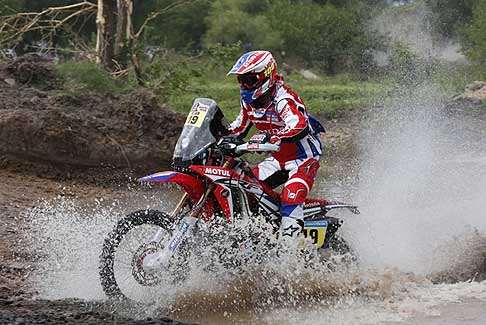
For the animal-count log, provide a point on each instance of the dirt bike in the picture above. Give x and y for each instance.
(219, 188)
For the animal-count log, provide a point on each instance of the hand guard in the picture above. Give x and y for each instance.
(260, 138)
(228, 143)
(265, 137)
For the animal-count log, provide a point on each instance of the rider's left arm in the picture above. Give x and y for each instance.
(296, 126)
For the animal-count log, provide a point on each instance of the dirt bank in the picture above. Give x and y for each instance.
(43, 123)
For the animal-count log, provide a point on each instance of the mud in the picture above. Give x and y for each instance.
(67, 311)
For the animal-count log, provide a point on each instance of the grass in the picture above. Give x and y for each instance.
(89, 76)
(330, 96)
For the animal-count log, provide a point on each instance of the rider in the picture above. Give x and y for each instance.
(277, 110)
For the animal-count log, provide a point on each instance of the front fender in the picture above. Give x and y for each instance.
(190, 184)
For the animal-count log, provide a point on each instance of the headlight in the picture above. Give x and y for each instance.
(185, 143)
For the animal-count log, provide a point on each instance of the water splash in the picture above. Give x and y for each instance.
(419, 183)
(66, 234)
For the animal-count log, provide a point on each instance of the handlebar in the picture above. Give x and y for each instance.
(257, 147)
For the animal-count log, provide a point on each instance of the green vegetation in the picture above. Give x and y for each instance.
(330, 35)
(475, 35)
(323, 35)
(198, 41)
(90, 76)
(330, 96)
(177, 80)
(448, 16)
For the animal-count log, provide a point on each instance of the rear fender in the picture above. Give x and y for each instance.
(193, 186)
(329, 205)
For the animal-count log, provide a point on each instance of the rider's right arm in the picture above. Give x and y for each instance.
(241, 125)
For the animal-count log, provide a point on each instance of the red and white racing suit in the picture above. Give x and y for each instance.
(300, 149)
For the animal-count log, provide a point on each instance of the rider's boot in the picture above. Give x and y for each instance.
(292, 234)
(291, 227)
(292, 223)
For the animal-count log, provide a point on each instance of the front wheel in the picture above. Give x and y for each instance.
(121, 261)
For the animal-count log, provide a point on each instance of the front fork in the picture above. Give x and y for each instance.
(160, 233)
(161, 259)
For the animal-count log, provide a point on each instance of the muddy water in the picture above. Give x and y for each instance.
(419, 178)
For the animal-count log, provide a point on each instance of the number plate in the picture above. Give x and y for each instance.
(197, 115)
(316, 230)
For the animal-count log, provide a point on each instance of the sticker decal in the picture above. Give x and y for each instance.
(176, 240)
(217, 171)
(197, 115)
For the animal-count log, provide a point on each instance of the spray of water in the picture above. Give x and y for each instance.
(411, 26)
(421, 182)
(66, 236)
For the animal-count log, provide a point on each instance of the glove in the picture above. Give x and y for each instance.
(275, 139)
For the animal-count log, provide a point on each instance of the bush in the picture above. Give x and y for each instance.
(222, 58)
(233, 21)
(334, 39)
(446, 16)
(474, 35)
(171, 75)
(181, 27)
(89, 76)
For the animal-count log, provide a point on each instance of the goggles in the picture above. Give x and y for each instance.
(249, 82)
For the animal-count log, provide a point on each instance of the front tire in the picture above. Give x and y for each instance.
(150, 219)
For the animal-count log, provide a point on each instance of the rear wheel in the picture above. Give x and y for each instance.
(339, 246)
(121, 261)
(338, 254)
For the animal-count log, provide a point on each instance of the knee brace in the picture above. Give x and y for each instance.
(295, 191)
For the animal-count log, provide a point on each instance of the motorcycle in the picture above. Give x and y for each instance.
(219, 190)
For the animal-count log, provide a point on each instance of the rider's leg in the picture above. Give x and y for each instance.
(267, 168)
(294, 194)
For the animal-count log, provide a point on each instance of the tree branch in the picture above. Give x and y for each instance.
(14, 26)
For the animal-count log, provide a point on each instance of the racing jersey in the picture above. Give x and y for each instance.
(287, 118)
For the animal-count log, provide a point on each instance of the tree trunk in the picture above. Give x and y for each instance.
(105, 41)
(121, 56)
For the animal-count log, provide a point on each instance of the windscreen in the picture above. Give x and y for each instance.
(196, 135)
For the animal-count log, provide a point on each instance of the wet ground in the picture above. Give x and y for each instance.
(19, 301)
